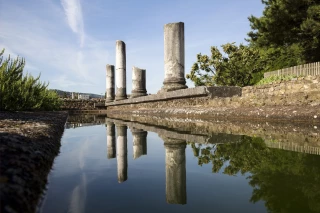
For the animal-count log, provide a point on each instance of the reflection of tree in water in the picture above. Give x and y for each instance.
(287, 181)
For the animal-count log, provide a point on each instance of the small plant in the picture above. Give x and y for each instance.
(276, 78)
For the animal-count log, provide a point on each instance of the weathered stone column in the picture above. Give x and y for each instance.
(121, 92)
(139, 142)
(111, 140)
(174, 57)
(176, 186)
(122, 151)
(138, 82)
(110, 83)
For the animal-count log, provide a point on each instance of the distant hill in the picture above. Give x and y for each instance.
(62, 93)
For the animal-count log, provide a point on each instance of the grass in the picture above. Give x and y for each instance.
(276, 79)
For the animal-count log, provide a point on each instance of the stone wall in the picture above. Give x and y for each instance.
(75, 104)
(297, 92)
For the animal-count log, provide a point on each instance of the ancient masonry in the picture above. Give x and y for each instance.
(174, 84)
(121, 92)
(138, 82)
(174, 59)
(110, 83)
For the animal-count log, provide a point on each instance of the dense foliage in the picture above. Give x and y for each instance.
(286, 35)
(236, 69)
(289, 25)
(23, 92)
(287, 181)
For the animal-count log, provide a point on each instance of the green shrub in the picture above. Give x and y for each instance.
(276, 78)
(18, 92)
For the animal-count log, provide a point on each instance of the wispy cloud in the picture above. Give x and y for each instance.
(49, 46)
(73, 12)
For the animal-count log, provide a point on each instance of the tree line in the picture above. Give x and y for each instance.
(286, 35)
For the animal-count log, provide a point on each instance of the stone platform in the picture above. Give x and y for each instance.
(202, 91)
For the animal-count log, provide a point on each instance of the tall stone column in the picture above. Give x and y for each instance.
(139, 142)
(110, 83)
(176, 186)
(138, 82)
(122, 153)
(111, 140)
(121, 92)
(174, 57)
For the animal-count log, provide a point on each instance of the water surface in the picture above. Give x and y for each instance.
(110, 167)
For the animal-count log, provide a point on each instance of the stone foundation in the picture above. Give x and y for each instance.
(298, 92)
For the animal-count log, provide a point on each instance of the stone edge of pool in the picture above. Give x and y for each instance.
(29, 143)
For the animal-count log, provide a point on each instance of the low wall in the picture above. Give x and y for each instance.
(76, 104)
(297, 92)
(185, 94)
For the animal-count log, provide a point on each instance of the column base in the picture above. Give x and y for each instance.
(121, 94)
(108, 100)
(139, 93)
(172, 84)
(172, 87)
(121, 98)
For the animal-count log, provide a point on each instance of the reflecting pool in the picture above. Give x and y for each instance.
(114, 165)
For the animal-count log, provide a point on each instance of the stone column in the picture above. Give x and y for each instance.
(121, 92)
(138, 82)
(111, 140)
(174, 57)
(110, 83)
(139, 142)
(122, 151)
(176, 186)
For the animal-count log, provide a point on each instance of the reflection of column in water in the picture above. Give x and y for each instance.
(176, 189)
(139, 142)
(111, 140)
(122, 158)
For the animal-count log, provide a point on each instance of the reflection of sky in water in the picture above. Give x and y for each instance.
(84, 180)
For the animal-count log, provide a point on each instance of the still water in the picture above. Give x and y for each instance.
(111, 167)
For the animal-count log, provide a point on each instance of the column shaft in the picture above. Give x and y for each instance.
(138, 82)
(121, 92)
(110, 83)
(174, 57)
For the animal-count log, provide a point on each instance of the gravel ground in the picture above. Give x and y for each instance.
(29, 142)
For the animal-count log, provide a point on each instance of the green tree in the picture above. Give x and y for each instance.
(237, 68)
(289, 26)
(18, 92)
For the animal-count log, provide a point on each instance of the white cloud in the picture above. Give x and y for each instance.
(73, 12)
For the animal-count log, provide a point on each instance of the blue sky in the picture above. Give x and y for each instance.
(70, 41)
